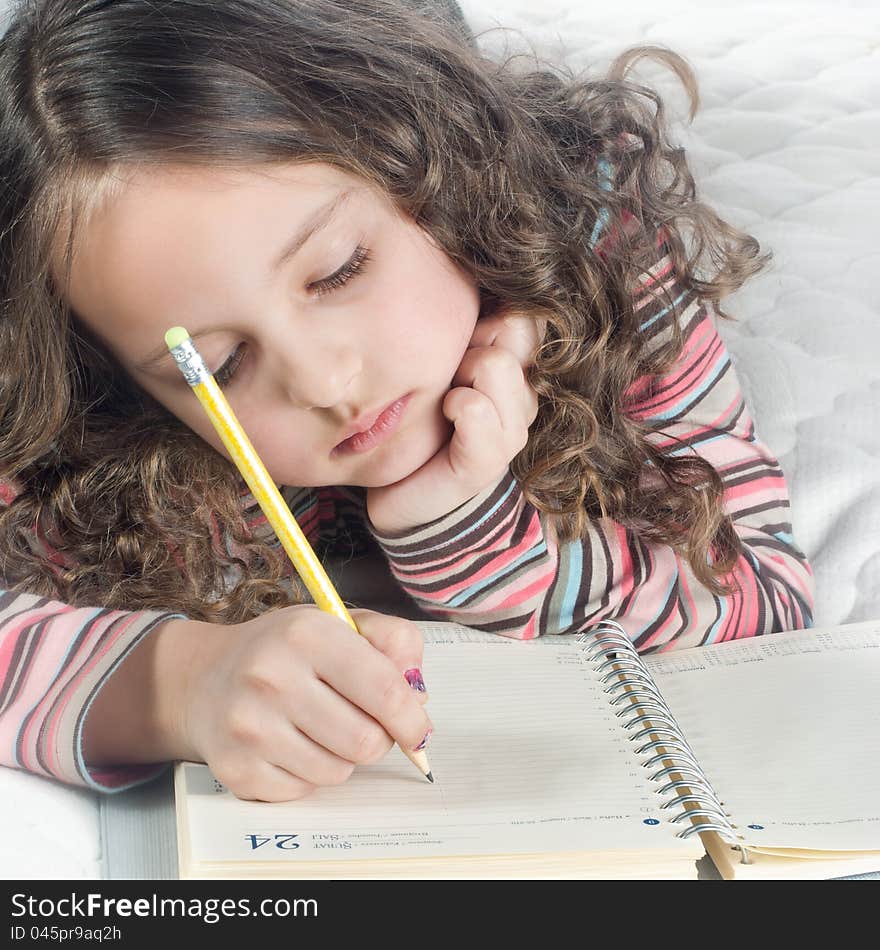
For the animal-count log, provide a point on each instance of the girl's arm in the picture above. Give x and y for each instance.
(54, 661)
(493, 564)
(79, 683)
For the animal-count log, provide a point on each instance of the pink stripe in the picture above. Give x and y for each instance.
(450, 562)
(35, 615)
(478, 544)
(640, 399)
(86, 669)
(625, 579)
(696, 369)
(530, 631)
(658, 635)
(7, 648)
(766, 488)
(44, 671)
(644, 298)
(714, 426)
(501, 559)
(694, 356)
(790, 571)
(502, 595)
(654, 591)
(536, 587)
(741, 615)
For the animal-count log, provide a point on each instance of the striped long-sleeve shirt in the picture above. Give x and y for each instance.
(492, 563)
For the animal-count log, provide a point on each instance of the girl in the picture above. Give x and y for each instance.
(451, 305)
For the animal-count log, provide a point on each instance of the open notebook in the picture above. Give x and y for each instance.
(576, 758)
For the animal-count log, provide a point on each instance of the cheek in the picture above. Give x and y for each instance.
(431, 336)
(289, 459)
(285, 443)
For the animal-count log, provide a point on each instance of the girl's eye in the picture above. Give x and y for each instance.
(225, 373)
(351, 268)
(355, 265)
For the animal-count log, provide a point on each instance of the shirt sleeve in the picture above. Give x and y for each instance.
(331, 518)
(54, 659)
(494, 564)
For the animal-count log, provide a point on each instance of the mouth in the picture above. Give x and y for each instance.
(379, 431)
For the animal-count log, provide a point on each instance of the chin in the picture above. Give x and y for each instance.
(391, 470)
(399, 461)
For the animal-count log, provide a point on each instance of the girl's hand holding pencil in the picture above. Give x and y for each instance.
(293, 699)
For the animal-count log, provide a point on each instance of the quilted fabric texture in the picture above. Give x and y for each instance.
(786, 145)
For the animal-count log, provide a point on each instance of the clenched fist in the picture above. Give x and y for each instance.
(491, 406)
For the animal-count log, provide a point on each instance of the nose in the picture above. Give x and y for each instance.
(316, 374)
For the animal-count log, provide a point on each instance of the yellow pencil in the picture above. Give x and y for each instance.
(261, 484)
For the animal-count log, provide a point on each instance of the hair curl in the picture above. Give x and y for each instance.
(496, 162)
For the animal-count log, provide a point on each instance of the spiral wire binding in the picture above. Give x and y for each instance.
(622, 672)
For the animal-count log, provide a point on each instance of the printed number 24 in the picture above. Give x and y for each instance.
(285, 842)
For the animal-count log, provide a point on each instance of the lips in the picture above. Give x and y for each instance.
(373, 429)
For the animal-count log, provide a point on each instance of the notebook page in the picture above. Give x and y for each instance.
(787, 729)
(527, 755)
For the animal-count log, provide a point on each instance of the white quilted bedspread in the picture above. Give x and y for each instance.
(786, 145)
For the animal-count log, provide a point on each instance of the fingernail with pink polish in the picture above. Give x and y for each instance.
(424, 741)
(414, 678)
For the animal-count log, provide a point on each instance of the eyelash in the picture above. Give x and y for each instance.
(351, 268)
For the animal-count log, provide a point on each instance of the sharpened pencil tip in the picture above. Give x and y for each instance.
(430, 777)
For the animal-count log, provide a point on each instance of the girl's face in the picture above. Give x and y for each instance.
(311, 335)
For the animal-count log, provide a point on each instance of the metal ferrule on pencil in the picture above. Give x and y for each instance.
(190, 362)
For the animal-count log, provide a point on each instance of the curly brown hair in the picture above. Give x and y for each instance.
(498, 163)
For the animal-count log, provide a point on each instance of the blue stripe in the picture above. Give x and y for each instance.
(693, 395)
(601, 221)
(663, 312)
(605, 183)
(497, 578)
(468, 530)
(715, 629)
(575, 564)
(690, 450)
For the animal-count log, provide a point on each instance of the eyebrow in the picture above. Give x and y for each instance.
(316, 222)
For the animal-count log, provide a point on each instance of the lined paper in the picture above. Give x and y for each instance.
(528, 758)
(787, 729)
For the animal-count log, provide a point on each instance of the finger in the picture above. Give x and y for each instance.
(497, 374)
(371, 682)
(475, 417)
(478, 450)
(264, 782)
(282, 744)
(250, 777)
(519, 334)
(400, 640)
(332, 723)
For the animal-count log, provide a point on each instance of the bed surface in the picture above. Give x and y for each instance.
(786, 145)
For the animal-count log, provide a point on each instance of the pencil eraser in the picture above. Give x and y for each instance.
(175, 336)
